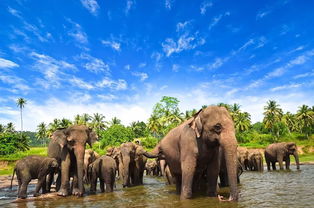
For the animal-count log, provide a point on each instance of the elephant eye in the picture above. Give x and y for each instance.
(218, 128)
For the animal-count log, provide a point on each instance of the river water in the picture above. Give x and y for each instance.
(279, 189)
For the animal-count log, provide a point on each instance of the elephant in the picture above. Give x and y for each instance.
(279, 152)
(114, 152)
(161, 166)
(193, 147)
(243, 157)
(103, 168)
(131, 164)
(72, 142)
(168, 176)
(89, 157)
(151, 168)
(33, 167)
(140, 162)
(255, 160)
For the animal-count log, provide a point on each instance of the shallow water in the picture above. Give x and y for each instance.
(268, 189)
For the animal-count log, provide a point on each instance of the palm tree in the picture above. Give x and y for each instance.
(77, 119)
(65, 123)
(114, 121)
(53, 126)
(10, 128)
(228, 107)
(85, 118)
(272, 113)
(98, 123)
(306, 118)
(242, 121)
(21, 103)
(41, 132)
(234, 111)
(290, 121)
(2, 128)
(154, 125)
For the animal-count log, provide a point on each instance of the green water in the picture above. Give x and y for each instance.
(268, 189)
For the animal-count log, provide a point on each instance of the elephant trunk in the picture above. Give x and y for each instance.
(229, 145)
(296, 157)
(126, 172)
(79, 154)
(154, 153)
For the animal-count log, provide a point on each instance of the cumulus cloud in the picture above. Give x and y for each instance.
(4, 63)
(91, 5)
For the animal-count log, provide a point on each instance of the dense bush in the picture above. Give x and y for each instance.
(149, 142)
(12, 143)
(115, 135)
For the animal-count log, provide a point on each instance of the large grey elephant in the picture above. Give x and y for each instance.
(68, 146)
(243, 156)
(279, 152)
(193, 147)
(33, 167)
(89, 157)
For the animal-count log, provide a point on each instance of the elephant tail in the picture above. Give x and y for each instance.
(12, 178)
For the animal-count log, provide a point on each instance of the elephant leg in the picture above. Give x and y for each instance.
(188, 170)
(23, 191)
(273, 165)
(65, 173)
(178, 183)
(288, 163)
(102, 185)
(268, 165)
(50, 179)
(212, 175)
(39, 185)
(58, 181)
(280, 161)
(75, 188)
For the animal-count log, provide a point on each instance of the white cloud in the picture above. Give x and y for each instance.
(129, 5)
(14, 82)
(197, 68)
(217, 19)
(142, 65)
(157, 56)
(308, 74)
(143, 76)
(285, 87)
(175, 67)
(113, 44)
(91, 5)
(80, 83)
(4, 63)
(77, 33)
(184, 42)
(262, 14)
(168, 4)
(217, 63)
(127, 67)
(204, 6)
(93, 64)
(107, 97)
(182, 25)
(120, 84)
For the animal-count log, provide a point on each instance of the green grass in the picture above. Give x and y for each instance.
(32, 151)
(304, 158)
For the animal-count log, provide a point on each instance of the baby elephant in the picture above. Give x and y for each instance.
(103, 168)
(33, 167)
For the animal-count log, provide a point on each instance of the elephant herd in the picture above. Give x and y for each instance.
(192, 156)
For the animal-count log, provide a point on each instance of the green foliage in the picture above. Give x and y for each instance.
(115, 135)
(12, 142)
(139, 129)
(149, 142)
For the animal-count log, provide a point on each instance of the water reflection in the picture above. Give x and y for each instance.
(268, 189)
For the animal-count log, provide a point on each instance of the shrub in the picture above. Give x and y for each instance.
(149, 142)
(115, 135)
(12, 142)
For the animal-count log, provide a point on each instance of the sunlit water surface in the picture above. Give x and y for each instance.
(268, 189)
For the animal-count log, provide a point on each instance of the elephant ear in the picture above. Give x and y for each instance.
(92, 136)
(196, 124)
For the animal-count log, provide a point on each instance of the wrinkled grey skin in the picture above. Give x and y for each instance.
(140, 162)
(89, 157)
(255, 160)
(71, 151)
(223, 173)
(193, 147)
(33, 167)
(104, 168)
(279, 152)
(243, 157)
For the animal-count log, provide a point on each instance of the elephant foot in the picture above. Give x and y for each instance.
(77, 192)
(63, 192)
(36, 194)
(22, 196)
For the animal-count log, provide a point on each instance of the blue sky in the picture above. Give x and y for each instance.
(120, 57)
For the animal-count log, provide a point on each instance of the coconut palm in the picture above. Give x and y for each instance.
(290, 121)
(98, 122)
(242, 121)
(10, 127)
(21, 102)
(41, 132)
(228, 107)
(77, 119)
(154, 125)
(85, 118)
(305, 117)
(53, 126)
(114, 121)
(272, 114)
(65, 123)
